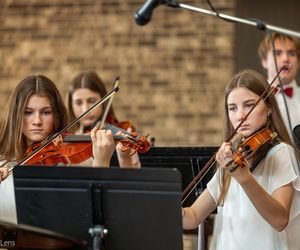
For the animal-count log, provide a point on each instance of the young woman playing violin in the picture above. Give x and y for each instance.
(86, 89)
(258, 203)
(36, 111)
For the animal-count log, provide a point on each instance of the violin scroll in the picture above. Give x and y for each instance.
(138, 144)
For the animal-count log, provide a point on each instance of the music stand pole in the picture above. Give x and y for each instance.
(257, 23)
(97, 232)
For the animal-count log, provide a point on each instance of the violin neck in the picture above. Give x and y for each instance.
(114, 129)
(87, 138)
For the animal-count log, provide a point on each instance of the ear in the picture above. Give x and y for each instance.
(269, 111)
(264, 63)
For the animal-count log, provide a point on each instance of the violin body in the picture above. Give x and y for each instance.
(61, 152)
(123, 124)
(249, 147)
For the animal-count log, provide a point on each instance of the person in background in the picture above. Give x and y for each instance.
(287, 52)
(258, 204)
(85, 90)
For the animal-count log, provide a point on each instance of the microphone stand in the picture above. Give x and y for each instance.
(258, 24)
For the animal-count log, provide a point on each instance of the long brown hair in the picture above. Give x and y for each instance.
(12, 140)
(89, 80)
(256, 83)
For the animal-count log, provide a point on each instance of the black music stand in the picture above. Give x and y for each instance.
(187, 160)
(136, 209)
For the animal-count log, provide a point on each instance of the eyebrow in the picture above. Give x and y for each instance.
(288, 50)
(48, 107)
(245, 102)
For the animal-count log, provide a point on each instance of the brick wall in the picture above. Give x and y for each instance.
(173, 70)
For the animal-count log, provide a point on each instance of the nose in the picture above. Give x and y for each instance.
(240, 114)
(285, 56)
(84, 107)
(37, 119)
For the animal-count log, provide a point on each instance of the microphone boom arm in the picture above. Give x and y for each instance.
(258, 24)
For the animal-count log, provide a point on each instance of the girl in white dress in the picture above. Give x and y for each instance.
(257, 205)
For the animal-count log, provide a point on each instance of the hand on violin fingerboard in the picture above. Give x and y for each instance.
(127, 157)
(225, 159)
(103, 147)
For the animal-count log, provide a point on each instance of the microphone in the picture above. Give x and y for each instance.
(143, 14)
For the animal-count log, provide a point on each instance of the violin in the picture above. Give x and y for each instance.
(74, 149)
(111, 120)
(249, 147)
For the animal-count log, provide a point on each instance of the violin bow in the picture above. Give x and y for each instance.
(105, 113)
(188, 190)
(56, 136)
